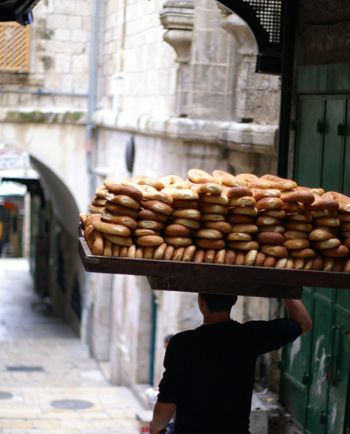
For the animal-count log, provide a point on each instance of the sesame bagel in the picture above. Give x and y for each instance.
(238, 236)
(192, 214)
(119, 189)
(223, 227)
(122, 220)
(147, 214)
(211, 234)
(206, 243)
(243, 245)
(121, 210)
(177, 230)
(112, 228)
(122, 199)
(157, 206)
(149, 240)
(179, 241)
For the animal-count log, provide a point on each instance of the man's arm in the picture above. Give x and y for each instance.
(297, 311)
(162, 414)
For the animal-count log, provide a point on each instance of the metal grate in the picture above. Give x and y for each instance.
(269, 14)
(24, 368)
(71, 404)
(14, 47)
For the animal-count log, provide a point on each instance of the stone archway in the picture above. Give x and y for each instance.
(51, 217)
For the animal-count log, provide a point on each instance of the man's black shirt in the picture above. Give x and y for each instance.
(209, 373)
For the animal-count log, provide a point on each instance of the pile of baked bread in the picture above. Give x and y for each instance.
(220, 218)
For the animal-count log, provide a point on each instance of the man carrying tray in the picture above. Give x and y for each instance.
(209, 371)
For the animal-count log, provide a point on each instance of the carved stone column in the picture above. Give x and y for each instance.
(244, 61)
(234, 25)
(177, 18)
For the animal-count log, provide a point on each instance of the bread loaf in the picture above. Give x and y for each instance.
(221, 218)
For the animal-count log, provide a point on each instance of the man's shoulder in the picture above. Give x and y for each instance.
(180, 339)
(180, 336)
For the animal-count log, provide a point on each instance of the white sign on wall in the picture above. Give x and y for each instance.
(13, 159)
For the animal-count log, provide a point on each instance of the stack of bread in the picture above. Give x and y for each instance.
(221, 218)
(99, 201)
(184, 219)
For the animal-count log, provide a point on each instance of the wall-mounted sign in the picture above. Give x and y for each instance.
(11, 158)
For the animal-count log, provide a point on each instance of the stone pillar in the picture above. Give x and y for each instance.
(244, 61)
(101, 317)
(177, 18)
(257, 96)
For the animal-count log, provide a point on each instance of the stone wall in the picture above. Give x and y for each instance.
(137, 71)
(61, 147)
(59, 53)
(181, 81)
(322, 32)
(191, 100)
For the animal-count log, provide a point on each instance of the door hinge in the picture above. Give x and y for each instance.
(321, 127)
(329, 367)
(341, 130)
(294, 123)
(305, 378)
(323, 418)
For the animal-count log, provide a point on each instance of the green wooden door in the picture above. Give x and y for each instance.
(310, 126)
(296, 370)
(339, 366)
(316, 408)
(333, 147)
(315, 376)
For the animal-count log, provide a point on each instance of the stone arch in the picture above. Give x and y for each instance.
(67, 276)
(54, 217)
(64, 206)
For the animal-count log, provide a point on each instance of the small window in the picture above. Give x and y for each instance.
(14, 47)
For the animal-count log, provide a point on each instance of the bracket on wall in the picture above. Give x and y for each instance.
(130, 154)
(264, 17)
(177, 18)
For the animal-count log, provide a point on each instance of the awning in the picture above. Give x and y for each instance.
(10, 181)
(264, 17)
(17, 10)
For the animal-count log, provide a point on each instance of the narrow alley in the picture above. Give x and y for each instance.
(48, 382)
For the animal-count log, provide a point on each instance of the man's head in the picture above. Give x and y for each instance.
(216, 302)
(167, 339)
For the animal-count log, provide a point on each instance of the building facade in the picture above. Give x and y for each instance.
(175, 82)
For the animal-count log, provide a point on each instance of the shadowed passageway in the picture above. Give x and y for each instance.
(48, 382)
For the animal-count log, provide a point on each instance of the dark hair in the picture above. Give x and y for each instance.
(167, 339)
(219, 302)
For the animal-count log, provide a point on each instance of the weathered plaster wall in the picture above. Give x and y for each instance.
(129, 350)
(60, 147)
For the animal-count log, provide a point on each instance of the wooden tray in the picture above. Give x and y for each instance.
(214, 278)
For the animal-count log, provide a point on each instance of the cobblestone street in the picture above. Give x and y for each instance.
(48, 382)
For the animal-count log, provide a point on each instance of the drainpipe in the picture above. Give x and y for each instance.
(90, 141)
(89, 132)
(288, 34)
